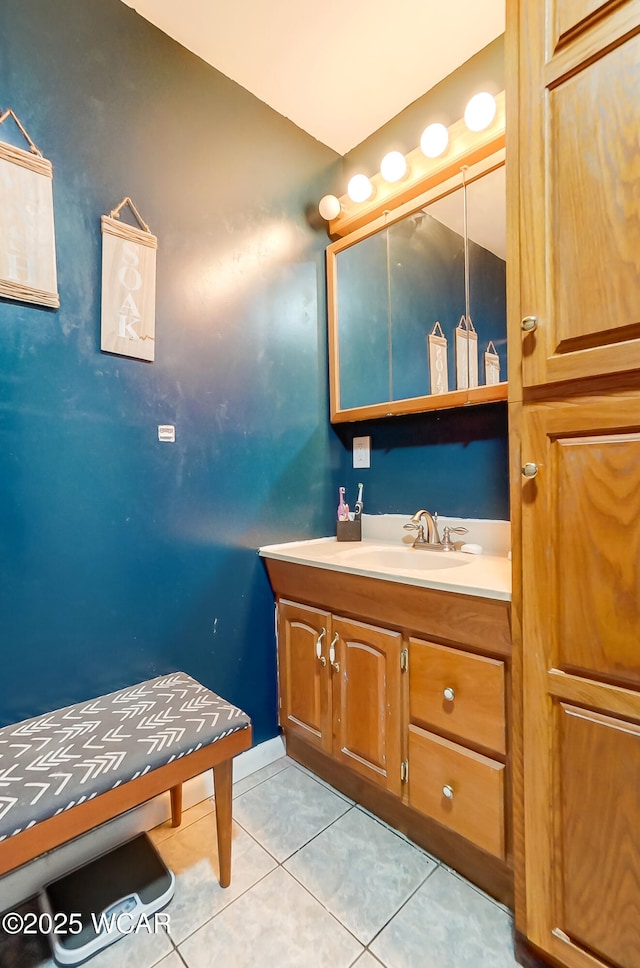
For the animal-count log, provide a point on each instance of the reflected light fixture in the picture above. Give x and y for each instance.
(434, 140)
(393, 166)
(480, 111)
(329, 207)
(359, 188)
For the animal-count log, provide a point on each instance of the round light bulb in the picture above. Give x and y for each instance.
(359, 188)
(329, 207)
(393, 166)
(480, 111)
(434, 140)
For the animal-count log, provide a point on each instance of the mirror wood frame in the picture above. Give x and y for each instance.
(479, 159)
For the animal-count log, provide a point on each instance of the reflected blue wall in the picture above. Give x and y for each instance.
(121, 557)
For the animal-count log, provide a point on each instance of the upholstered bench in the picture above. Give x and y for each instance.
(66, 772)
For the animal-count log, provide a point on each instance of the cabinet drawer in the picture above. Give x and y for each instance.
(475, 807)
(458, 692)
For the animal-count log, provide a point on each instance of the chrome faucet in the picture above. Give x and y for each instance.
(432, 537)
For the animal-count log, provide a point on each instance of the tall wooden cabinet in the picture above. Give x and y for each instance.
(573, 150)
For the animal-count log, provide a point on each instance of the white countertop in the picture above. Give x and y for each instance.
(485, 575)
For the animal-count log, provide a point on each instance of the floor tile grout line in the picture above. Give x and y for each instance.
(315, 836)
(324, 783)
(174, 950)
(222, 909)
(403, 905)
(396, 833)
(505, 910)
(287, 766)
(422, 882)
(325, 908)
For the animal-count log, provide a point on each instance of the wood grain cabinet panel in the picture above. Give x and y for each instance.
(585, 501)
(340, 689)
(579, 212)
(305, 706)
(600, 829)
(572, 16)
(458, 692)
(459, 788)
(366, 698)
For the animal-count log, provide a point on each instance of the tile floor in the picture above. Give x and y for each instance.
(317, 882)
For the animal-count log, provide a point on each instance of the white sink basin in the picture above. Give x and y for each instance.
(403, 559)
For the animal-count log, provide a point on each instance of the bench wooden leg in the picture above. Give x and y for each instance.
(222, 784)
(176, 805)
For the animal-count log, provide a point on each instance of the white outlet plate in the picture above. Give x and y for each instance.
(362, 451)
(167, 433)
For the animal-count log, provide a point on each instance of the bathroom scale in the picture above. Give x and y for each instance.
(112, 896)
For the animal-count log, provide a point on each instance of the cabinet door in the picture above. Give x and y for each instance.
(581, 628)
(579, 192)
(303, 673)
(367, 701)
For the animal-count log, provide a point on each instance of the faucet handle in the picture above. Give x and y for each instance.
(447, 543)
(415, 526)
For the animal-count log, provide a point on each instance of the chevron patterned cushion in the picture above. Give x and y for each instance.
(53, 762)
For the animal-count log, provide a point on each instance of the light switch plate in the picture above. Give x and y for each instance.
(362, 451)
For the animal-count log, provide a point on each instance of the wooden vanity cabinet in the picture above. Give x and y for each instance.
(398, 696)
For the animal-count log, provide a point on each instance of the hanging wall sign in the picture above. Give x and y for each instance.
(491, 365)
(128, 286)
(27, 237)
(437, 345)
(466, 354)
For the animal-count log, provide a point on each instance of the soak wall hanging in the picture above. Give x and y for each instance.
(437, 347)
(27, 237)
(128, 286)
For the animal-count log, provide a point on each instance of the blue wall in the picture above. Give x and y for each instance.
(122, 557)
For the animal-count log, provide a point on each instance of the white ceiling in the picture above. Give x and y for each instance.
(339, 69)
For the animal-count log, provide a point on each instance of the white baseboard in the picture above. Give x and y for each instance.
(28, 880)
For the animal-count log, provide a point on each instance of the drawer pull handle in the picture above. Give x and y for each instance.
(447, 792)
(319, 646)
(449, 694)
(332, 654)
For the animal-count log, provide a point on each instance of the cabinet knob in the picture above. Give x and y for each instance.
(319, 654)
(530, 470)
(528, 324)
(447, 792)
(449, 694)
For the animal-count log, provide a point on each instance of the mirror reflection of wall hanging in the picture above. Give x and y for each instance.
(466, 354)
(437, 343)
(27, 237)
(128, 286)
(491, 364)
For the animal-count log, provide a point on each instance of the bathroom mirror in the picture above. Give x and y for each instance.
(412, 274)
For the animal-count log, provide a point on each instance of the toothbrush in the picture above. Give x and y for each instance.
(343, 509)
(359, 504)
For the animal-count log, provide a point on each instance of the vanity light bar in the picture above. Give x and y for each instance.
(422, 173)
